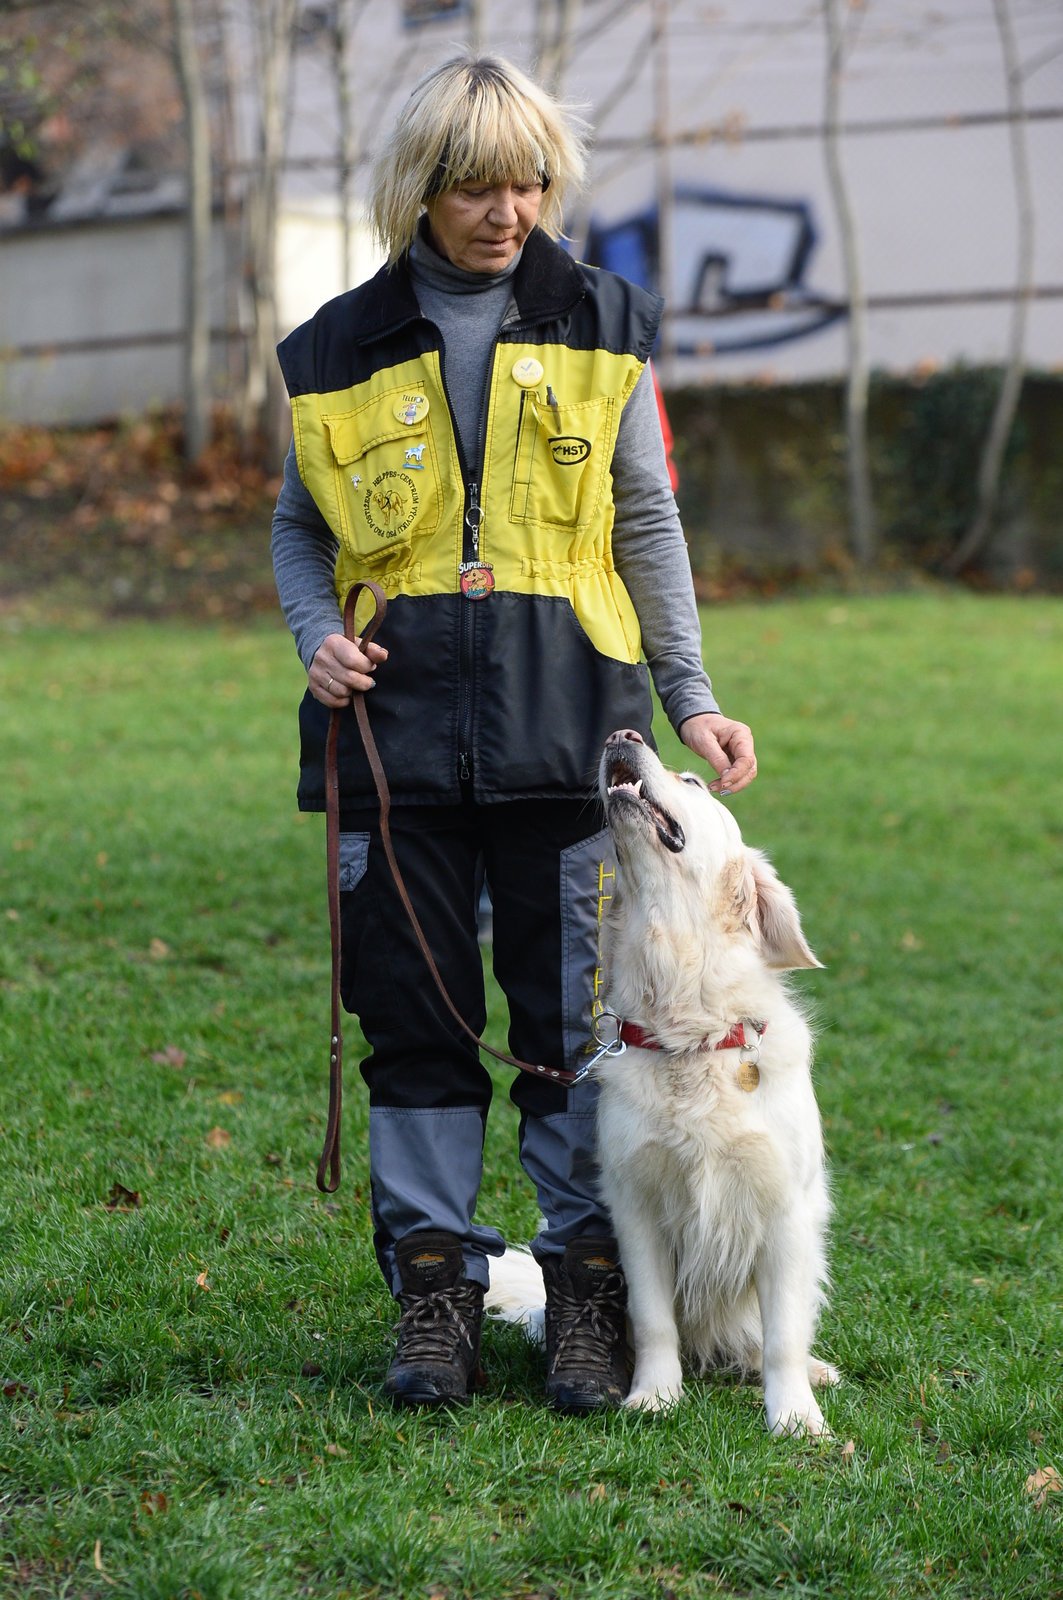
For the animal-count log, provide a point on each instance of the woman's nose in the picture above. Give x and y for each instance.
(503, 207)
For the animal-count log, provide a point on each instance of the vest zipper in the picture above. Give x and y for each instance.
(472, 517)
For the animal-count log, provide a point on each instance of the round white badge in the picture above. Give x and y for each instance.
(527, 372)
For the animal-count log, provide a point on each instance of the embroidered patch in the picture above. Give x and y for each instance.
(391, 504)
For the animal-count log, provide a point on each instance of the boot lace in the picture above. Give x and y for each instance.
(432, 1326)
(589, 1328)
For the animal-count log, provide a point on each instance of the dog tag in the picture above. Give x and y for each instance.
(748, 1076)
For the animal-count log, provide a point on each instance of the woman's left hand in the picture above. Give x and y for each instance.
(726, 745)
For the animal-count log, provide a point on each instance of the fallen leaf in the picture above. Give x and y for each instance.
(201, 1281)
(848, 1449)
(218, 1138)
(12, 1388)
(911, 941)
(122, 1199)
(230, 1097)
(158, 949)
(596, 1491)
(153, 1504)
(1042, 1483)
(335, 1450)
(171, 1056)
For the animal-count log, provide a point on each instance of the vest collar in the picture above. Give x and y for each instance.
(546, 284)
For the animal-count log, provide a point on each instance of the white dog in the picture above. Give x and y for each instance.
(710, 1147)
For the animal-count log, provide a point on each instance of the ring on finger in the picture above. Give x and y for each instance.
(331, 681)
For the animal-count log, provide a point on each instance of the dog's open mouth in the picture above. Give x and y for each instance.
(624, 786)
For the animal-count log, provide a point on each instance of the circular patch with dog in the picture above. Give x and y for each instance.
(391, 504)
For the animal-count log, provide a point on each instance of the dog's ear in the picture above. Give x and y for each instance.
(772, 911)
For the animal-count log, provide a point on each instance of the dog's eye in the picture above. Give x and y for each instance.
(689, 777)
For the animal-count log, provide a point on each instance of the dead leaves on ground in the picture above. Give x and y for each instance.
(1041, 1484)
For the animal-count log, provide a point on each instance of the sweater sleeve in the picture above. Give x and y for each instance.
(304, 561)
(651, 557)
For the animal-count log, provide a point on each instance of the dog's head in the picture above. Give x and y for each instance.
(683, 864)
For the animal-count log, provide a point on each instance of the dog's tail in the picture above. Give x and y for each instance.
(516, 1293)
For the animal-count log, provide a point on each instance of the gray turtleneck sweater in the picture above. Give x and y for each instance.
(648, 545)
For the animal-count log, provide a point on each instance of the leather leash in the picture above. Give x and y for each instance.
(330, 1155)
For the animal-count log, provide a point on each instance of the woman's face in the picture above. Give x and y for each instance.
(481, 226)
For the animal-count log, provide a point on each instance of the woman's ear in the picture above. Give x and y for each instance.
(774, 915)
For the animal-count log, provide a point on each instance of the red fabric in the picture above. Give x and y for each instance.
(666, 433)
(639, 1039)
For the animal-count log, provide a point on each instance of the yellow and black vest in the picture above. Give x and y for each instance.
(514, 648)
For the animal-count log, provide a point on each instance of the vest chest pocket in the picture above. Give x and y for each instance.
(561, 460)
(387, 479)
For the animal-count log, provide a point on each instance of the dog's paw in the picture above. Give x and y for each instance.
(821, 1374)
(647, 1397)
(797, 1419)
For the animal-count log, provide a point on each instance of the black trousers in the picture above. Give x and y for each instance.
(550, 871)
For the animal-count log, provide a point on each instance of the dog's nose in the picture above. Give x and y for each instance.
(625, 733)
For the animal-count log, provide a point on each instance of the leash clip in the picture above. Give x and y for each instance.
(606, 1047)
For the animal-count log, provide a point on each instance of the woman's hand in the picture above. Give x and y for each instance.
(726, 745)
(342, 668)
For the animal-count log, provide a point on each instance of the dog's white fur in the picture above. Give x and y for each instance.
(717, 1193)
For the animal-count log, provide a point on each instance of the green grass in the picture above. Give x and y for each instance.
(192, 1403)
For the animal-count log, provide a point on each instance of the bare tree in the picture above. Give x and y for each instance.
(858, 464)
(996, 442)
(273, 37)
(348, 15)
(555, 21)
(198, 216)
(476, 26)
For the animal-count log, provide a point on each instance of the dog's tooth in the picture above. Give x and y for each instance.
(638, 788)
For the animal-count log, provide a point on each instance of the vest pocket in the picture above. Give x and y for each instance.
(561, 460)
(387, 478)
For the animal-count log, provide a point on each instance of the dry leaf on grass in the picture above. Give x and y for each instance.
(169, 1056)
(122, 1199)
(1042, 1483)
(158, 949)
(201, 1281)
(218, 1138)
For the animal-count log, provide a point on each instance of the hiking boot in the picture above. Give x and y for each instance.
(587, 1361)
(437, 1355)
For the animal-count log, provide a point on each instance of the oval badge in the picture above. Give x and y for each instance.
(569, 451)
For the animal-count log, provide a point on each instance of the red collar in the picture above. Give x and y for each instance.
(639, 1039)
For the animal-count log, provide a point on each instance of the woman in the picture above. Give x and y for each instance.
(475, 429)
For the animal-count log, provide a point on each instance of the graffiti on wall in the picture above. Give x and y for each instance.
(740, 264)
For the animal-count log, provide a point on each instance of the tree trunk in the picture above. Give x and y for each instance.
(1003, 418)
(263, 405)
(555, 21)
(858, 464)
(198, 217)
(348, 16)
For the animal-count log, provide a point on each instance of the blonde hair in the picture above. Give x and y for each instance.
(475, 117)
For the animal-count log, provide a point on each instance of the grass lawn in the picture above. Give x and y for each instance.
(193, 1338)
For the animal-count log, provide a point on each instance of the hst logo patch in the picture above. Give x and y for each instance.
(569, 451)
